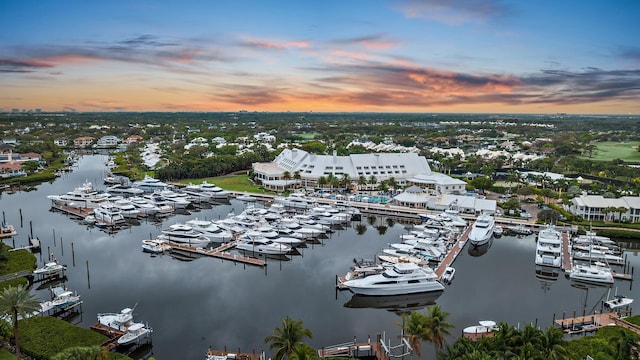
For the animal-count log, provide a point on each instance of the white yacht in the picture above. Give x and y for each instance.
(85, 196)
(50, 268)
(135, 333)
(591, 273)
(108, 214)
(482, 229)
(177, 199)
(211, 191)
(124, 190)
(262, 245)
(403, 278)
(274, 236)
(210, 230)
(184, 234)
(150, 184)
(127, 208)
(549, 247)
(145, 207)
(296, 201)
(118, 321)
(166, 207)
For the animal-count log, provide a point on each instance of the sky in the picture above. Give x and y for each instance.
(471, 56)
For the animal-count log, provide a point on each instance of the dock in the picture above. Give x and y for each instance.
(224, 354)
(75, 211)
(7, 231)
(453, 252)
(220, 252)
(567, 264)
(587, 323)
(109, 332)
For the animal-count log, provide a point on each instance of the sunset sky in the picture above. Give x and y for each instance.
(496, 56)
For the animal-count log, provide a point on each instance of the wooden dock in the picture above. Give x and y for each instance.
(235, 355)
(7, 231)
(453, 252)
(587, 323)
(567, 263)
(75, 211)
(109, 332)
(220, 252)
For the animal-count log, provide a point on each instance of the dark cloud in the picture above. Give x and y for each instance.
(21, 66)
(146, 40)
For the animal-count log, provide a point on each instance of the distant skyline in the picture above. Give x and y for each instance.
(471, 56)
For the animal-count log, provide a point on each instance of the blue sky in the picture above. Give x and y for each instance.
(390, 56)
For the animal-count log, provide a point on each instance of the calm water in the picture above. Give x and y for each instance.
(192, 305)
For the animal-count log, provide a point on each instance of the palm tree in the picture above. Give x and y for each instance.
(287, 339)
(17, 301)
(437, 328)
(362, 181)
(553, 344)
(414, 329)
(624, 342)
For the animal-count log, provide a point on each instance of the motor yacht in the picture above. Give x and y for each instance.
(211, 191)
(124, 190)
(150, 184)
(591, 273)
(84, 196)
(549, 247)
(145, 207)
(208, 228)
(482, 229)
(107, 214)
(185, 235)
(262, 245)
(403, 278)
(127, 208)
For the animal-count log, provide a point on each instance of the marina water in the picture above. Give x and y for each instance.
(208, 302)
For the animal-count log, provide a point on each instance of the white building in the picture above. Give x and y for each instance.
(591, 207)
(417, 198)
(106, 142)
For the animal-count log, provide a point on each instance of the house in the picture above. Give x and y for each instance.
(133, 139)
(107, 142)
(83, 141)
(596, 208)
(61, 142)
(11, 169)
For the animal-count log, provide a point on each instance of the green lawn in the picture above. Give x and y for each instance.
(230, 182)
(607, 151)
(6, 355)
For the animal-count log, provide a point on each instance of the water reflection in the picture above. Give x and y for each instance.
(398, 304)
(479, 250)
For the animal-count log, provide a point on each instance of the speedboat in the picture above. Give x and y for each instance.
(403, 278)
(591, 273)
(549, 247)
(184, 234)
(262, 245)
(617, 302)
(498, 231)
(134, 334)
(447, 275)
(483, 329)
(118, 321)
(520, 229)
(50, 268)
(209, 229)
(482, 229)
(62, 298)
(155, 246)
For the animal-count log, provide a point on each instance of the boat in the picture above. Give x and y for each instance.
(155, 246)
(176, 199)
(482, 229)
(498, 231)
(520, 229)
(84, 196)
(447, 275)
(549, 247)
(108, 214)
(262, 245)
(246, 198)
(117, 321)
(7, 230)
(617, 302)
(89, 220)
(184, 234)
(484, 328)
(150, 184)
(146, 208)
(209, 229)
(50, 268)
(403, 278)
(591, 273)
(127, 208)
(62, 298)
(124, 190)
(209, 190)
(296, 201)
(135, 333)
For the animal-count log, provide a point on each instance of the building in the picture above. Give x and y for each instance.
(417, 198)
(83, 141)
(597, 208)
(133, 139)
(297, 167)
(107, 142)
(61, 142)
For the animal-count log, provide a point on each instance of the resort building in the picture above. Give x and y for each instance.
(82, 142)
(599, 208)
(299, 168)
(417, 198)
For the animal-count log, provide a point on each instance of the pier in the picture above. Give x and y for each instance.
(109, 332)
(587, 323)
(220, 252)
(213, 354)
(453, 252)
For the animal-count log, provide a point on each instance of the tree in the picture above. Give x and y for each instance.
(414, 329)
(482, 182)
(288, 339)
(82, 353)
(437, 327)
(362, 181)
(17, 302)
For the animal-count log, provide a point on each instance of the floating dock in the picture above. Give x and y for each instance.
(220, 252)
(453, 252)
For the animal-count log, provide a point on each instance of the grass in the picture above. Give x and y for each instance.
(607, 151)
(6, 355)
(231, 183)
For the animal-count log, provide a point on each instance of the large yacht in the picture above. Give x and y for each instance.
(402, 278)
(108, 214)
(208, 228)
(262, 245)
(150, 184)
(592, 273)
(549, 247)
(482, 229)
(184, 234)
(212, 191)
(85, 196)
